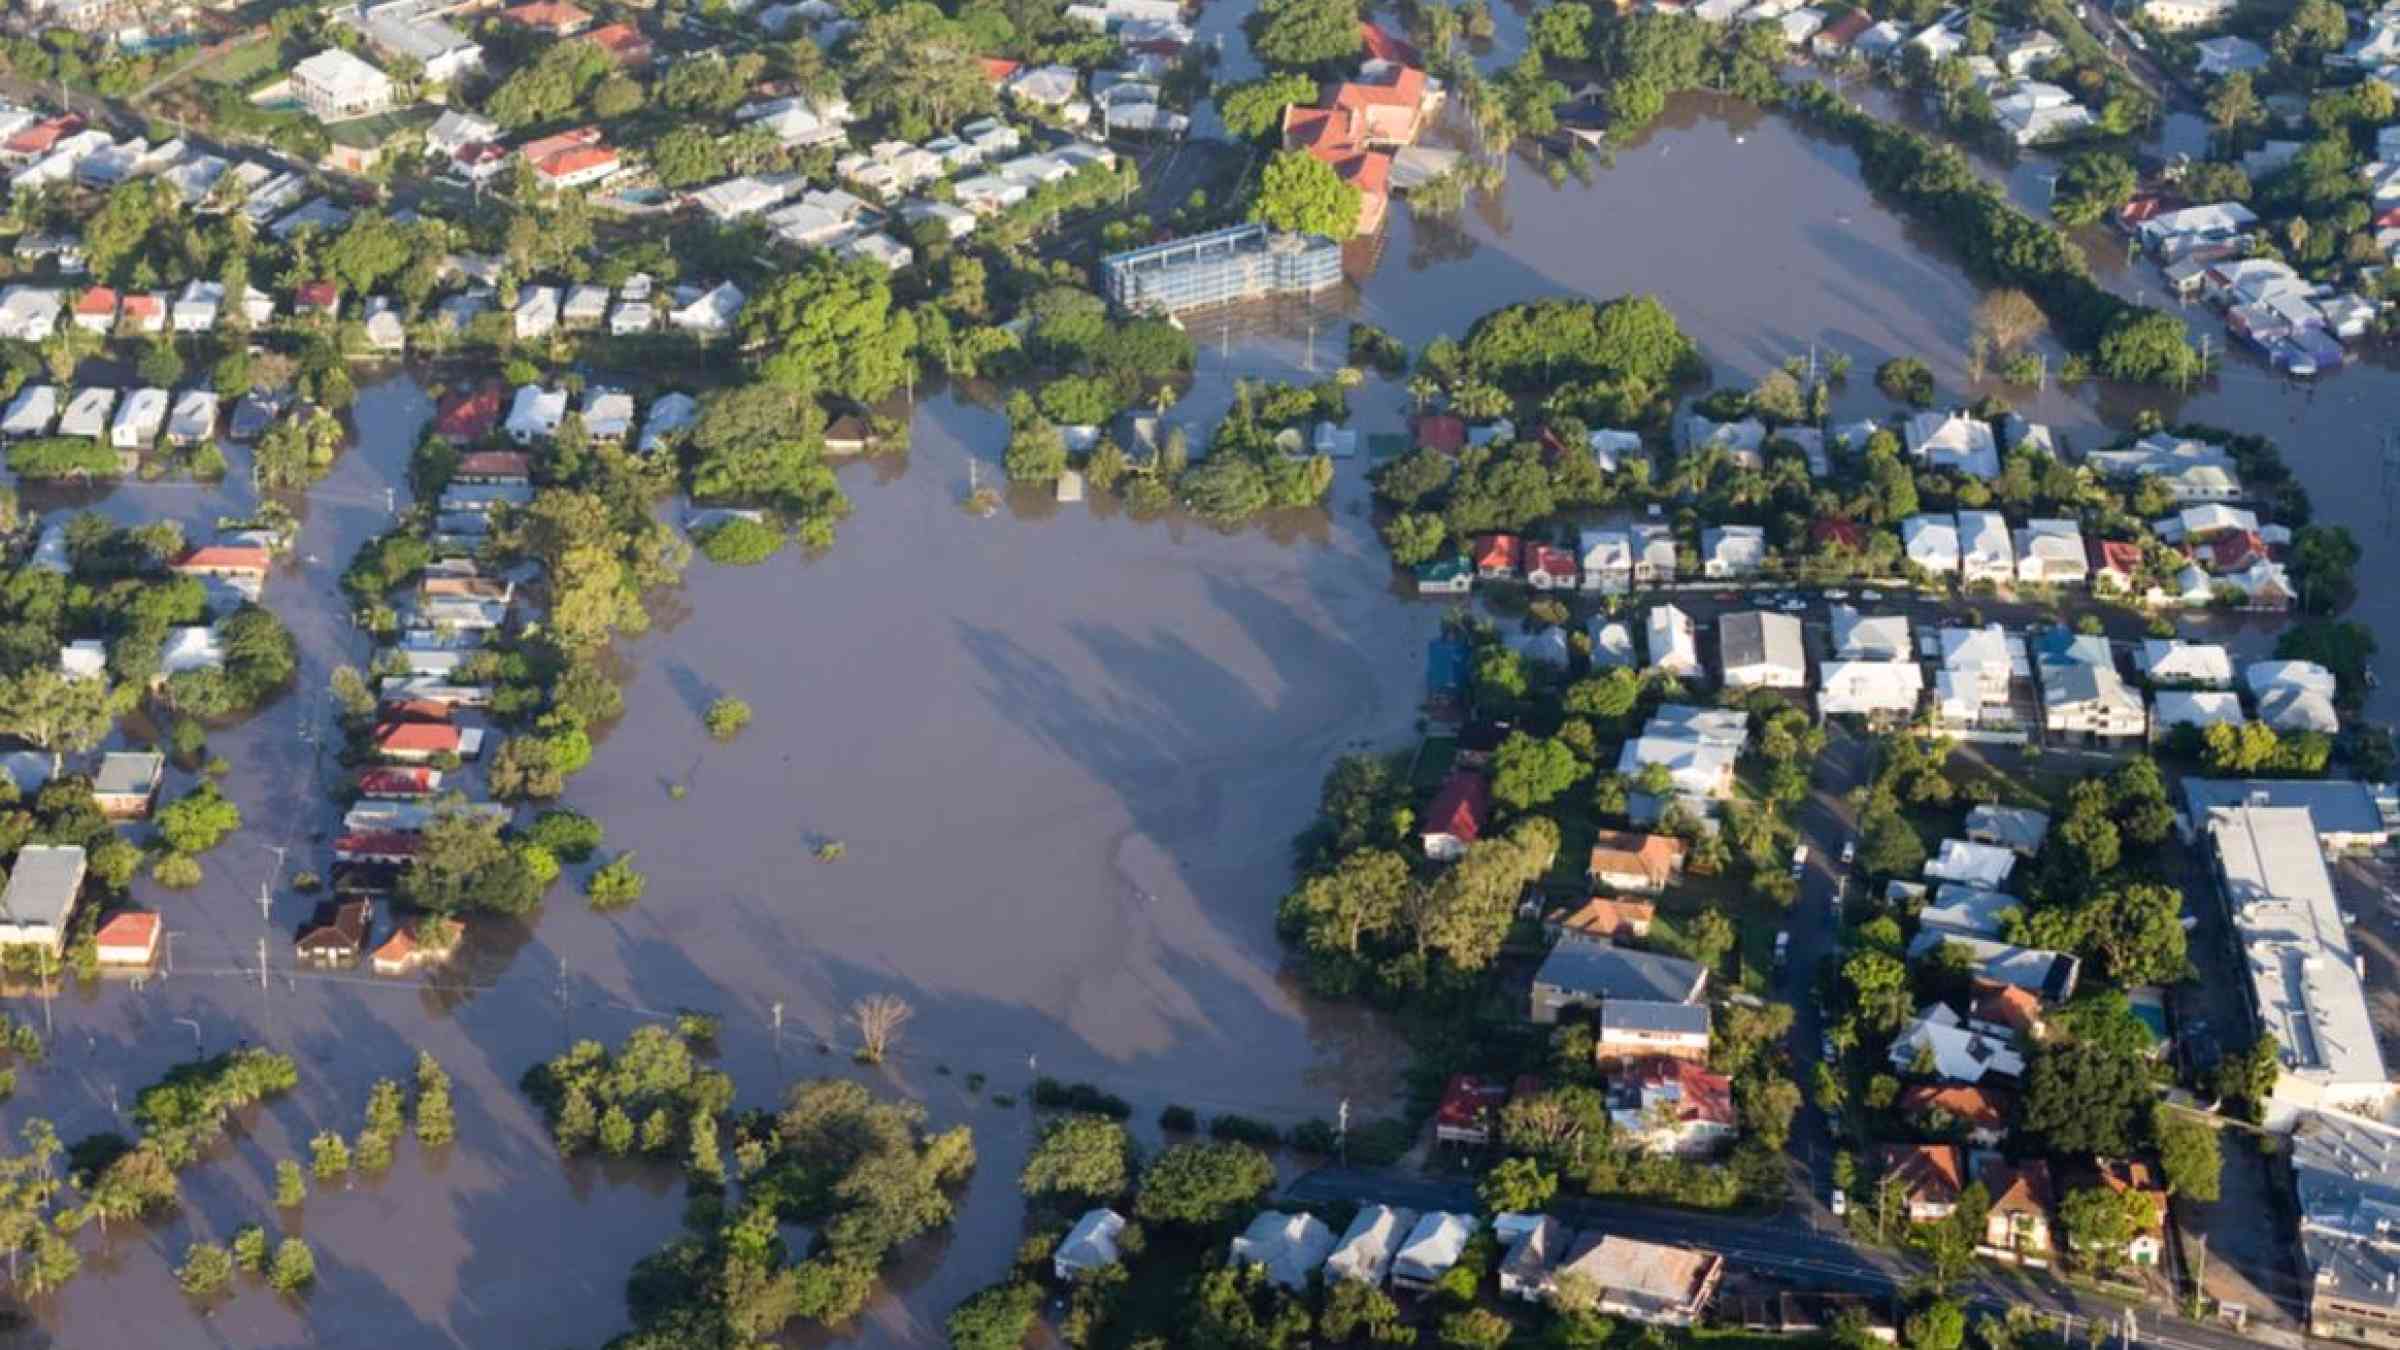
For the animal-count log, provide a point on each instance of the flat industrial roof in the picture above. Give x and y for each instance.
(2297, 953)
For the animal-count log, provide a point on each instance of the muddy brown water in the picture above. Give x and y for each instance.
(1063, 750)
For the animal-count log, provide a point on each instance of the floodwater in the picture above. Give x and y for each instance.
(1063, 751)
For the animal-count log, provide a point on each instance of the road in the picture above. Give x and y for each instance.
(1791, 1246)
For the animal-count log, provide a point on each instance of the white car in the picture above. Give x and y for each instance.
(1837, 595)
(1849, 852)
(1840, 1202)
(1870, 595)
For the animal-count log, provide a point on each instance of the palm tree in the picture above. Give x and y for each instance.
(1422, 387)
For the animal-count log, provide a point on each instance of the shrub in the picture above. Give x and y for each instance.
(1181, 1119)
(726, 717)
(570, 835)
(739, 541)
(176, 871)
(1244, 1130)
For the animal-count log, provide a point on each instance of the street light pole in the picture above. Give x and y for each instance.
(195, 1026)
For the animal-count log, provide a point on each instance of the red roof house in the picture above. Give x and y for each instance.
(2235, 551)
(1445, 432)
(389, 846)
(96, 309)
(1838, 35)
(1382, 45)
(554, 17)
(997, 70)
(145, 313)
(1553, 568)
(416, 740)
(1470, 1108)
(1931, 1176)
(1496, 555)
(1456, 816)
(2117, 560)
(623, 42)
(415, 781)
(1837, 532)
(493, 466)
(37, 139)
(224, 560)
(129, 939)
(468, 417)
(317, 297)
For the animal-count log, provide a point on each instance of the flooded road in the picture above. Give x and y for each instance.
(1064, 752)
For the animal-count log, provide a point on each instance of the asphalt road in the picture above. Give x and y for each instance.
(1788, 1247)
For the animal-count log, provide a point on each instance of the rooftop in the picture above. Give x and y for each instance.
(1605, 969)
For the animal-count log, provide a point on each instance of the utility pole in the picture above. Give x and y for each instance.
(562, 998)
(262, 965)
(1341, 1133)
(265, 903)
(776, 1011)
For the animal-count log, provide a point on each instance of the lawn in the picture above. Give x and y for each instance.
(1434, 757)
(237, 68)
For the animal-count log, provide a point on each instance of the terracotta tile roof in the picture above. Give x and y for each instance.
(1842, 30)
(1933, 1173)
(468, 416)
(428, 738)
(99, 300)
(1497, 550)
(2018, 1188)
(1382, 45)
(317, 294)
(1406, 90)
(554, 15)
(2236, 550)
(1442, 431)
(133, 928)
(1553, 562)
(1314, 129)
(998, 69)
(1653, 855)
(39, 137)
(559, 143)
(1610, 917)
(2125, 1174)
(396, 781)
(1470, 1103)
(340, 927)
(225, 557)
(1460, 808)
(496, 463)
(2008, 1006)
(1979, 1108)
(143, 306)
(2117, 555)
(1836, 530)
(1369, 171)
(1702, 1096)
(622, 41)
(575, 161)
(379, 843)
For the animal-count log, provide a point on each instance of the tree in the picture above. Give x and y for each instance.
(206, 1269)
(1305, 33)
(41, 705)
(1303, 194)
(1202, 1183)
(1905, 379)
(2085, 1098)
(996, 1318)
(291, 1184)
(1939, 1325)
(914, 65)
(830, 325)
(2138, 930)
(436, 1125)
(1255, 107)
(1036, 452)
(1353, 1306)
(615, 884)
(1769, 1103)
(1226, 490)
(1527, 773)
(2190, 1154)
(196, 821)
(726, 717)
(1476, 1329)
(1083, 1157)
(2101, 1221)
(879, 1018)
(688, 154)
(1561, 30)
(2091, 186)
(1414, 538)
(2009, 318)
(2148, 347)
(2249, 1077)
(329, 1155)
(1516, 1186)
(295, 1267)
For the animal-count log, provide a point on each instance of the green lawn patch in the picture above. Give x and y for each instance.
(1434, 758)
(237, 68)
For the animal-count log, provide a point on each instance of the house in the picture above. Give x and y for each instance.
(1968, 911)
(1469, 1109)
(1090, 1245)
(2171, 708)
(1532, 1255)
(2005, 1005)
(1431, 1248)
(1695, 766)
(95, 311)
(2052, 975)
(536, 314)
(1673, 1106)
(31, 412)
(1953, 441)
(336, 935)
(1653, 555)
(1931, 542)
(1984, 1114)
(626, 47)
(1881, 690)
(671, 414)
(1930, 1177)
(193, 418)
(468, 416)
(571, 159)
(1495, 556)
(1671, 645)
(1581, 973)
(389, 784)
(2051, 553)
(2172, 663)
(2018, 829)
(1607, 561)
(129, 938)
(2192, 471)
(30, 313)
(554, 17)
(1986, 552)
(708, 313)
(1611, 918)
(1456, 817)
(335, 86)
(38, 904)
(1367, 1247)
(1642, 863)
(1444, 576)
(406, 950)
(2179, 14)
(2019, 1219)
(2034, 113)
(126, 783)
(1649, 1282)
(536, 413)
(2134, 1177)
(607, 413)
(1940, 1045)
(1762, 650)
(1732, 550)
(1612, 644)
(457, 129)
(1871, 637)
(417, 742)
(1552, 569)
(138, 420)
(84, 659)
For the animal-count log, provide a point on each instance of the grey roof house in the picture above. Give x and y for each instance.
(1582, 973)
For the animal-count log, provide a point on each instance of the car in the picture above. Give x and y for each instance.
(1799, 859)
(1837, 595)
(1849, 852)
(1840, 1202)
(1833, 1053)
(1783, 946)
(1870, 595)
(1794, 606)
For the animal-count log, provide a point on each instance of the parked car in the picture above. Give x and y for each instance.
(1783, 946)
(1849, 852)
(1799, 860)
(1837, 595)
(1840, 1202)
(1870, 595)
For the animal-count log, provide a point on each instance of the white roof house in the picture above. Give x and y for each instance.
(1671, 644)
(1089, 1245)
(670, 413)
(87, 413)
(536, 314)
(709, 312)
(1870, 688)
(2034, 112)
(30, 313)
(584, 307)
(1986, 552)
(2196, 708)
(191, 648)
(2193, 471)
(1762, 650)
(31, 412)
(1433, 1246)
(2261, 676)
(2173, 661)
(1985, 865)
(139, 419)
(536, 413)
(2198, 522)
(2174, 14)
(2290, 707)
(193, 418)
(1290, 1246)
(335, 86)
(1695, 768)
(2303, 972)
(1871, 637)
(1931, 542)
(2051, 552)
(1954, 441)
(1960, 1052)
(457, 129)
(1606, 559)
(1612, 644)
(1968, 910)
(1366, 1250)
(607, 413)
(1732, 550)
